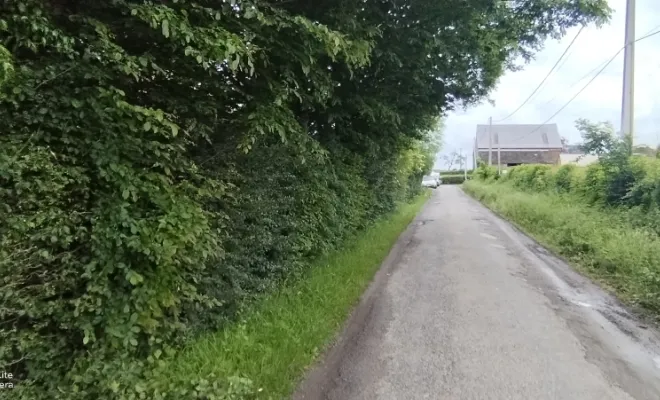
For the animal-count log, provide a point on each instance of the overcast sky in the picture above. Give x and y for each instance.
(600, 101)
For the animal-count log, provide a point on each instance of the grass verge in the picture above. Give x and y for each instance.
(600, 244)
(286, 331)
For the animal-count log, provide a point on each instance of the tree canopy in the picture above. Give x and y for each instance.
(161, 162)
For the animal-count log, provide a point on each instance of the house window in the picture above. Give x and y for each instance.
(497, 139)
(545, 138)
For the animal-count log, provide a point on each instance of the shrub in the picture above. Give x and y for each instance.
(530, 177)
(486, 172)
(564, 178)
(455, 172)
(595, 184)
(453, 179)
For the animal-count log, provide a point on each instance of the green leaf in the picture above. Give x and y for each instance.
(125, 194)
(134, 278)
(147, 126)
(234, 64)
(166, 28)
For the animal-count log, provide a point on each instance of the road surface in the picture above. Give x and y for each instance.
(466, 307)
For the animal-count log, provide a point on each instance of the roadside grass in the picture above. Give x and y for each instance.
(600, 243)
(285, 332)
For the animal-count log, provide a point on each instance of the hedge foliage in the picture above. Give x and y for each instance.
(628, 184)
(453, 179)
(453, 172)
(162, 162)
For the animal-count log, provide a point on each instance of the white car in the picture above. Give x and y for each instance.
(431, 182)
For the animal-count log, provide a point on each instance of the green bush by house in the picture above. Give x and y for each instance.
(453, 179)
(628, 184)
(453, 172)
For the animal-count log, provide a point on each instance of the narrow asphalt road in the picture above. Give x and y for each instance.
(466, 307)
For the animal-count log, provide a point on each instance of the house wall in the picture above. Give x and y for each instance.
(523, 157)
(581, 160)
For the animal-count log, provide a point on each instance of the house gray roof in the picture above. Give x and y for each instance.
(520, 136)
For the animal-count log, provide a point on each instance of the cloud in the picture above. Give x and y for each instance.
(600, 101)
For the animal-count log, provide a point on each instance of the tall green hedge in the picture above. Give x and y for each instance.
(162, 162)
(453, 179)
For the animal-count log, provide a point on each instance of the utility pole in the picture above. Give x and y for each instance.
(463, 163)
(460, 159)
(475, 153)
(465, 168)
(628, 98)
(499, 164)
(490, 141)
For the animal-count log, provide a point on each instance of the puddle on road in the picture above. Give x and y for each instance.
(581, 303)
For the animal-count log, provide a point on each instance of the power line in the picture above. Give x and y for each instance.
(568, 56)
(591, 71)
(546, 77)
(588, 83)
(560, 66)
